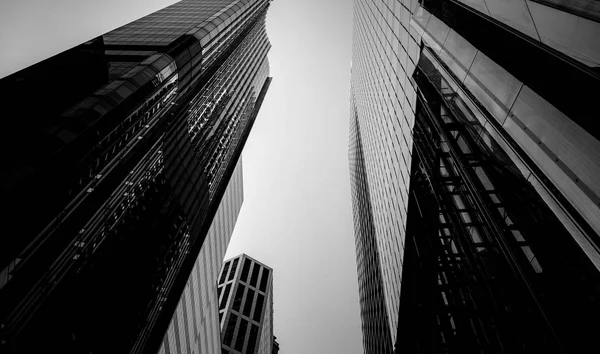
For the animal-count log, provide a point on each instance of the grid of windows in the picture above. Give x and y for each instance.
(385, 53)
(252, 305)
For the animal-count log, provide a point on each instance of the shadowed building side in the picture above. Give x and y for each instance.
(472, 159)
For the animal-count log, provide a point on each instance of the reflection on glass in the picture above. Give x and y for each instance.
(570, 34)
(437, 29)
(478, 5)
(513, 13)
(571, 144)
(496, 79)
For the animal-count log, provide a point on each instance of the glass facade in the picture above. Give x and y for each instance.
(117, 157)
(198, 329)
(474, 234)
(386, 50)
(246, 312)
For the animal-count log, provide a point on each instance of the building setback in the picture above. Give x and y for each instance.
(474, 161)
(245, 291)
(117, 155)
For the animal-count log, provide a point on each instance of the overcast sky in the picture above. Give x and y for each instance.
(296, 215)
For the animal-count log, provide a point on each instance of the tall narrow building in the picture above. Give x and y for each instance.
(118, 156)
(245, 291)
(195, 326)
(474, 160)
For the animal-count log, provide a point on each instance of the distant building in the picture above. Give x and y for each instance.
(245, 291)
(474, 162)
(275, 345)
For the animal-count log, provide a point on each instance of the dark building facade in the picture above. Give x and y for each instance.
(117, 155)
(473, 160)
(245, 292)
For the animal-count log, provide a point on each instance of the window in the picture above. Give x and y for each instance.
(252, 339)
(264, 280)
(239, 294)
(245, 270)
(258, 309)
(225, 296)
(254, 278)
(233, 269)
(224, 272)
(241, 335)
(248, 304)
(228, 337)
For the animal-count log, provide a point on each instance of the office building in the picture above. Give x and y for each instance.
(473, 160)
(245, 291)
(117, 155)
(195, 327)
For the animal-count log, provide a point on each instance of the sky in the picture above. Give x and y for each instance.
(296, 216)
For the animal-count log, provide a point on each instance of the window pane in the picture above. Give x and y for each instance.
(248, 304)
(258, 308)
(241, 335)
(254, 278)
(264, 280)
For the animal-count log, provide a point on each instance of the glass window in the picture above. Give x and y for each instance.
(248, 303)
(231, 324)
(239, 294)
(487, 184)
(501, 84)
(514, 13)
(252, 338)
(241, 335)
(532, 259)
(565, 184)
(254, 278)
(497, 111)
(462, 54)
(225, 296)
(421, 16)
(571, 144)
(437, 29)
(478, 5)
(224, 272)
(233, 269)
(264, 280)
(258, 308)
(245, 270)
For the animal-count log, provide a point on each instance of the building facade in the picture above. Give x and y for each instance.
(473, 159)
(245, 292)
(117, 157)
(195, 327)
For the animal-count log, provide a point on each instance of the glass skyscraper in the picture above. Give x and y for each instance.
(195, 325)
(474, 160)
(119, 156)
(245, 290)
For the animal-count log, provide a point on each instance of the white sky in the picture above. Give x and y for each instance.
(296, 216)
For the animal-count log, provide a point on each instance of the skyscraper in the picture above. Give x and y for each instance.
(245, 290)
(195, 325)
(473, 157)
(116, 157)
